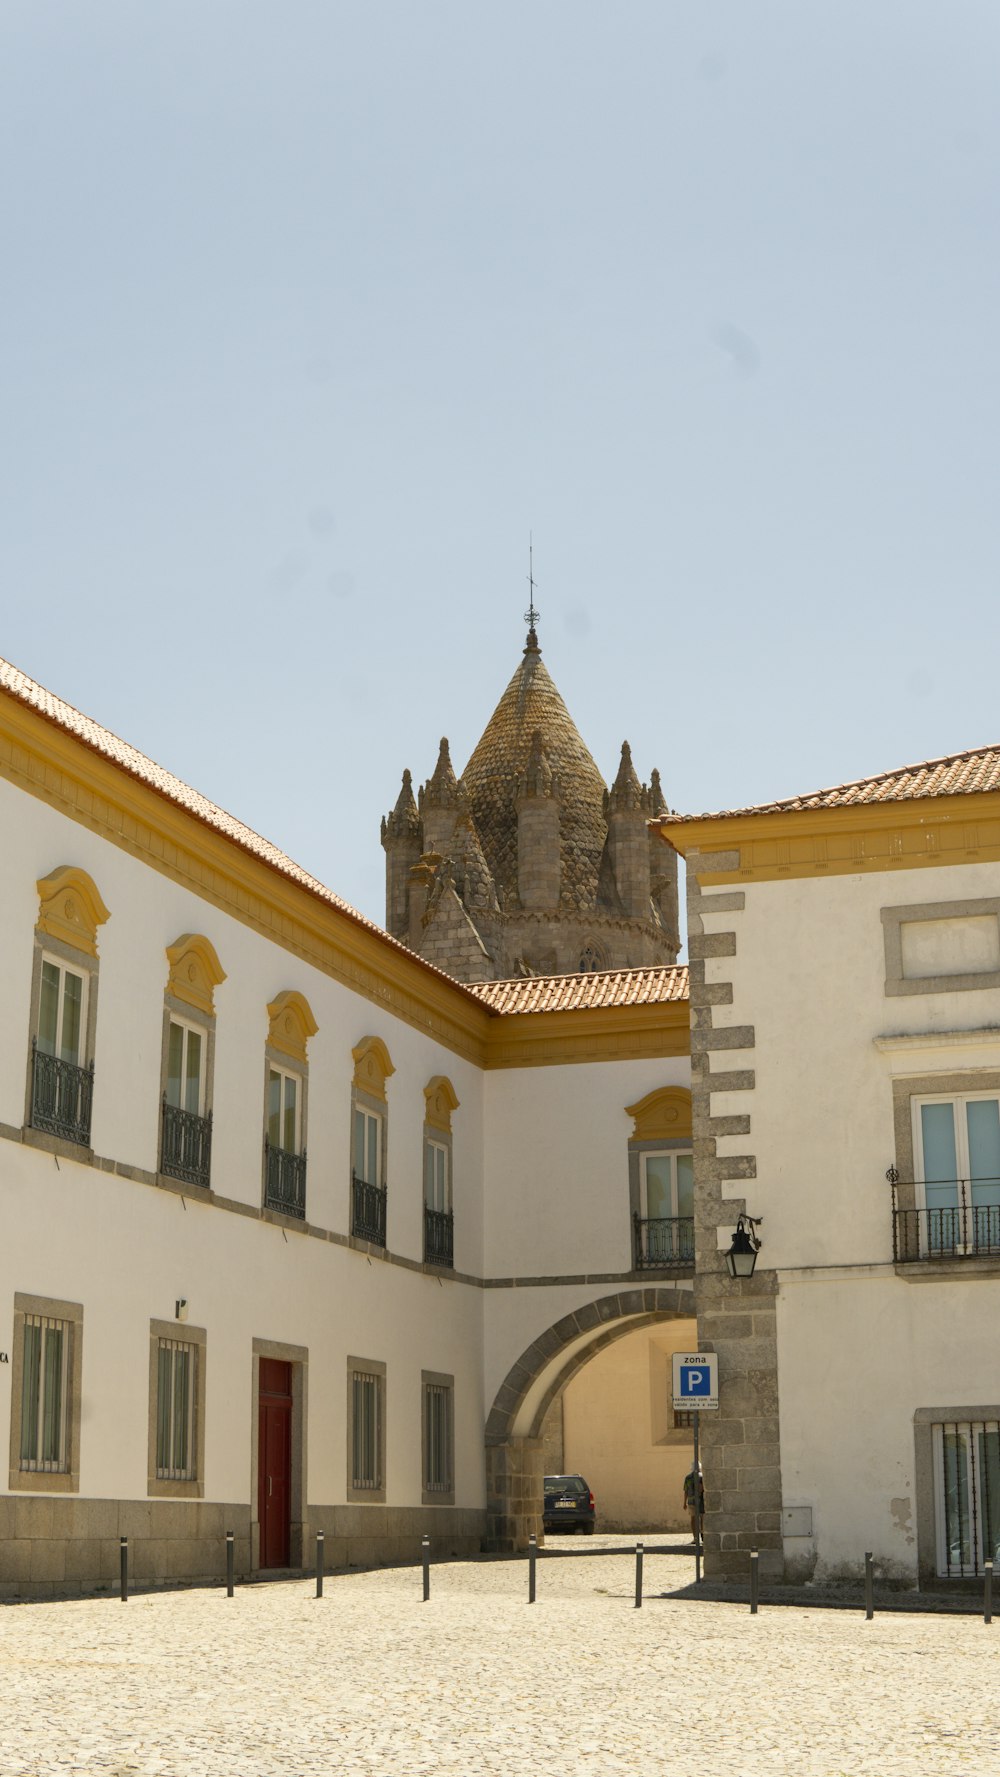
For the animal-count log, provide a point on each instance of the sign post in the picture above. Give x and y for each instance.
(696, 1388)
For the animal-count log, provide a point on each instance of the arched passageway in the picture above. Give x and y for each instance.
(514, 1455)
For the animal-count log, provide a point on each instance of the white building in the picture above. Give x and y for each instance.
(293, 1222)
(845, 1012)
(301, 1234)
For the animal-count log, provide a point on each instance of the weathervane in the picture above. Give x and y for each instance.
(531, 616)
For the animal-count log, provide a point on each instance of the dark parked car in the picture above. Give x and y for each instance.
(568, 1504)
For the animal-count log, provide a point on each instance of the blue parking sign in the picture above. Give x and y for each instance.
(696, 1379)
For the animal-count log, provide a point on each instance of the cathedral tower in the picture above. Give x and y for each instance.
(528, 864)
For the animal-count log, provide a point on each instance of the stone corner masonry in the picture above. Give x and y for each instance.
(740, 1448)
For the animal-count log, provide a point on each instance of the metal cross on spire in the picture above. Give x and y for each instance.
(531, 615)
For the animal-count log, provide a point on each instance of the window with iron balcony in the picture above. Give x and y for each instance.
(291, 1025)
(661, 1181)
(369, 1119)
(64, 1005)
(439, 1221)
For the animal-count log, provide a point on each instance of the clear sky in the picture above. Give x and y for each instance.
(313, 310)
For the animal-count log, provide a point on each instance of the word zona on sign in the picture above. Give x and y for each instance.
(696, 1379)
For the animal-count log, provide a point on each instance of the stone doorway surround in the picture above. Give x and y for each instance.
(515, 1461)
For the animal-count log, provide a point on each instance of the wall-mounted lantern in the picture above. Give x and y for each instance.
(742, 1255)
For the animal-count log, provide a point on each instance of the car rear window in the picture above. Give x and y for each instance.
(566, 1484)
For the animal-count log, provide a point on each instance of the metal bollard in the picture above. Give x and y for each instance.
(987, 1591)
(532, 1558)
(638, 1576)
(319, 1563)
(754, 1581)
(869, 1587)
(425, 1549)
(230, 1562)
(123, 1558)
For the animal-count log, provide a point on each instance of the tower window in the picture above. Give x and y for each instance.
(591, 959)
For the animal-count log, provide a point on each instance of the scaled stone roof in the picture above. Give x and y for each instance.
(491, 778)
(571, 993)
(957, 774)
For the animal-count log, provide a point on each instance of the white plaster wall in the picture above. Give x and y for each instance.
(546, 1148)
(148, 912)
(126, 1250)
(859, 1348)
(809, 975)
(556, 1164)
(857, 1356)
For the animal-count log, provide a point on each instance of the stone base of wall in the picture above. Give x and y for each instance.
(514, 1476)
(370, 1536)
(58, 1547)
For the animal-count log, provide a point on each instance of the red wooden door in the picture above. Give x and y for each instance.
(274, 1462)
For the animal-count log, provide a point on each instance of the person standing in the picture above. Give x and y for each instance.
(694, 1497)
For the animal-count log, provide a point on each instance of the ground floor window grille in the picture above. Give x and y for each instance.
(367, 1431)
(967, 1489)
(175, 1411)
(437, 1438)
(45, 1395)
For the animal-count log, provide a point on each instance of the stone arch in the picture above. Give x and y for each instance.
(513, 1445)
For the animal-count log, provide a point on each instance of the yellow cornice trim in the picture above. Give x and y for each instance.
(606, 1033)
(70, 907)
(372, 1066)
(70, 777)
(42, 759)
(440, 1100)
(195, 971)
(810, 842)
(663, 1115)
(291, 1024)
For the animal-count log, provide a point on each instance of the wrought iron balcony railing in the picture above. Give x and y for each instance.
(965, 1229)
(62, 1095)
(662, 1242)
(439, 1236)
(284, 1181)
(368, 1210)
(186, 1147)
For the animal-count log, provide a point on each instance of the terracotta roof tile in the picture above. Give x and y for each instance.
(17, 685)
(957, 774)
(571, 993)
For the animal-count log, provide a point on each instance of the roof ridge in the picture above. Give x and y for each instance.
(590, 974)
(859, 791)
(23, 689)
(880, 777)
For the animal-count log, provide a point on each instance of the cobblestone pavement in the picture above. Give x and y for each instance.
(371, 1679)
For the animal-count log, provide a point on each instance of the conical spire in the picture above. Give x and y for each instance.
(657, 800)
(531, 704)
(404, 821)
(626, 792)
(442, 789)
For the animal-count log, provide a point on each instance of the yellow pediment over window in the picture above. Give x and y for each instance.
(663, 1115)
(372, 1066)
(440, 1099)
(291, 1024)
(195, 971)
(70, 907)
